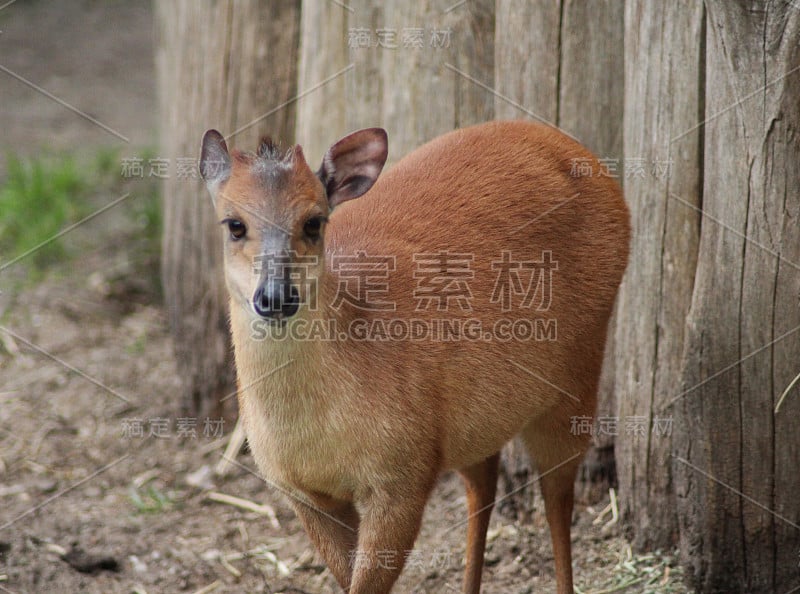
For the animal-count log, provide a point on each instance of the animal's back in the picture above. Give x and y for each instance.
(497, 186)
(491, 205)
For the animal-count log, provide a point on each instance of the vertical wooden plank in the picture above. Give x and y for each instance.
(712, 537)
(224, 65)
(527, 58)
(414, 78)
(180, 71)
(262, 70)
(591, 75)
(323, 53)
(364, 83)
(418, 102)
(475, 23)
(777, 166)
(663, 98)
(740, 512)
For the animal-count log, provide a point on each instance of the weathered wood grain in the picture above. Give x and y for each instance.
(222, 65)
(663, 98)
(321, 109)
(738, 504)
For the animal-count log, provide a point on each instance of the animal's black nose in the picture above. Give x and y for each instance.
(278, 300)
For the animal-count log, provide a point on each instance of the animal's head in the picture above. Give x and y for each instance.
(274, 210)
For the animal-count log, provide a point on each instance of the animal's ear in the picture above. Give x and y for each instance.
(215, 162)
(352, 165)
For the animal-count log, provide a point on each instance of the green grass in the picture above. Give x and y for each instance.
(150, 500)
(39, 198)
(144, 212)
(145, 202)
(42, 196)
(106, 162)
(138, 345)
(147, 214)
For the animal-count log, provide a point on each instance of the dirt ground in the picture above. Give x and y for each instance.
(83, 373)
(104, 486)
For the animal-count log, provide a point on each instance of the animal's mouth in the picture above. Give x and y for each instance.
(276, 320)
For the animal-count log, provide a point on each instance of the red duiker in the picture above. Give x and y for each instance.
(463, 300)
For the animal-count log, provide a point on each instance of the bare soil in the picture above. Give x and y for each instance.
(80, 373)
(87, 504)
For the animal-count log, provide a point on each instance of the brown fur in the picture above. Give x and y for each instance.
(359, 431)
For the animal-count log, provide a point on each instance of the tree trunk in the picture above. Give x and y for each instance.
(708, 317)
(324, 60)
(663, 98)
(561, 62)
(735, 462)
(229, 65)
(425, 91)
(407, 68)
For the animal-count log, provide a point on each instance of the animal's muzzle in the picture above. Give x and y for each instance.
(276, 299)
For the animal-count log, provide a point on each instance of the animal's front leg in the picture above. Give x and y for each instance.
(333, 528)
(390, 521)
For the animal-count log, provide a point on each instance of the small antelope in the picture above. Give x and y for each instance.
(485, 274)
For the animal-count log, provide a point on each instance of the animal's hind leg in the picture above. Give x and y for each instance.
(557, 457)
(481, 483)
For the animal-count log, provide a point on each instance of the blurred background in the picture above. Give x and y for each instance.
(117, 397)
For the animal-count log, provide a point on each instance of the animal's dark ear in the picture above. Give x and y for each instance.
(215, 162)
(352, 165)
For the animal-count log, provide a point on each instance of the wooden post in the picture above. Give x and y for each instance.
(323, 65)
(222, 65)
(663, 98)
(420, 89)
(526, 75)
(707, 336)
(735, 462)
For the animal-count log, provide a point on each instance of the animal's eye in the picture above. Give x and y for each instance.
(236, 228)
(312, 227)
